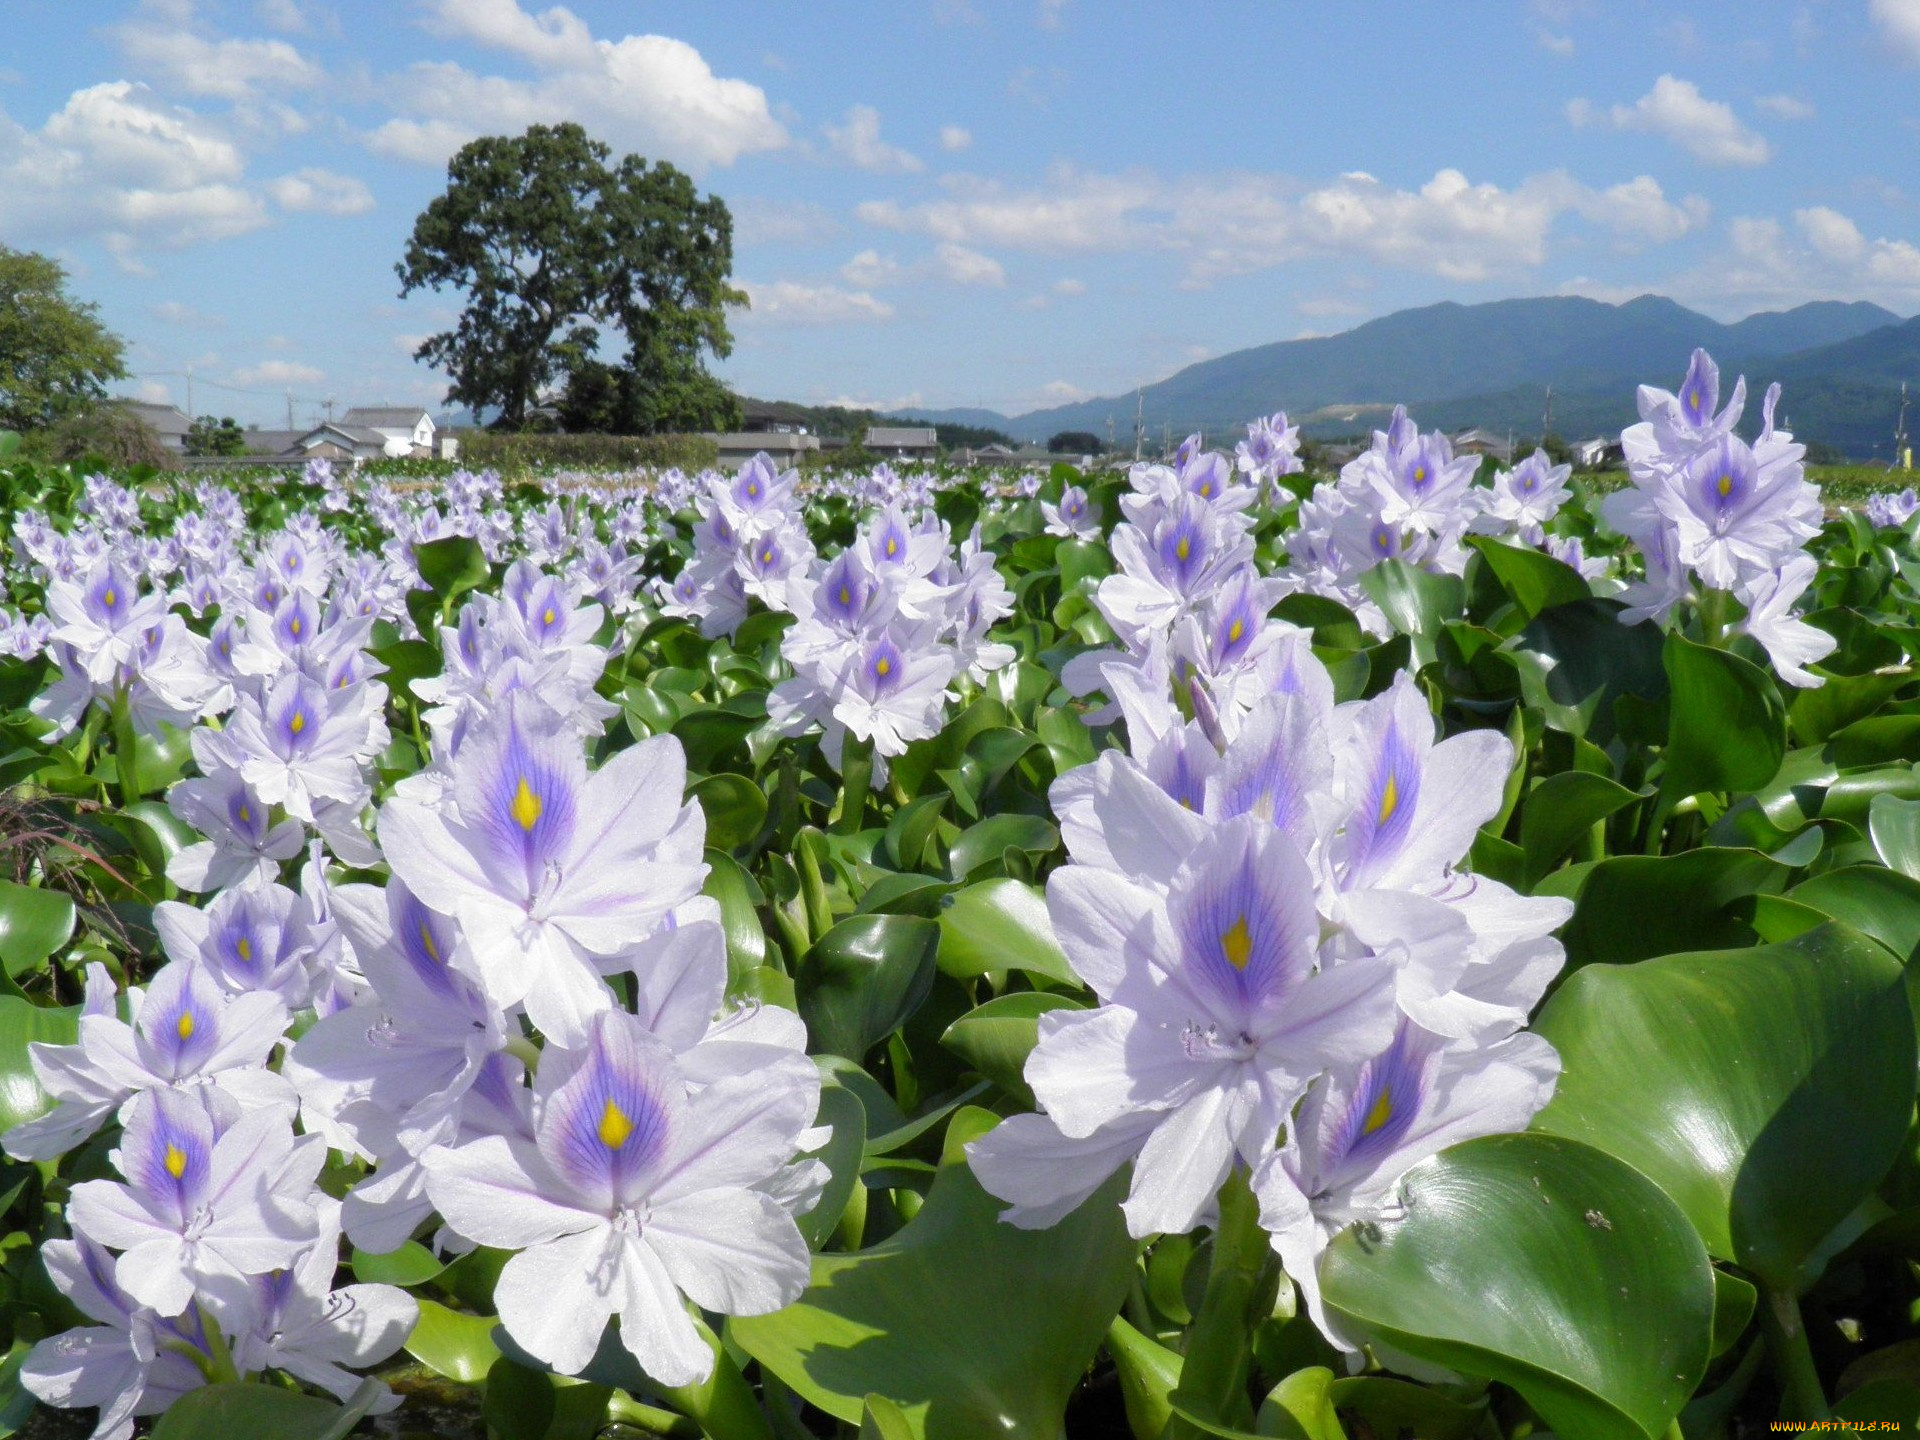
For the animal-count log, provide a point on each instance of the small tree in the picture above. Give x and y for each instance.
(1075, 442)
(55, 356)
(208, 436)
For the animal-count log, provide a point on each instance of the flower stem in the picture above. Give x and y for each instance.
(1801, 1395)
(222, 1370)
(856, 774)
(126, 748)
(1240, 1287)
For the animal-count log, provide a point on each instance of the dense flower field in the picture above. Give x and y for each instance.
(1183, 950)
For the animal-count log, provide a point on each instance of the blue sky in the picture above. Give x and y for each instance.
(1006, 203)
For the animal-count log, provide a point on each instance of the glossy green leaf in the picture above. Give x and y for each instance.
(1546, 1265)
(21, 1097)
(1001, 925)
(943, 1318)
(735, 808)
(996, 1038)
(746, 939)
(1397, 1407)
(1148, 1372)
(1534, 579)
(1631, 907)
(1563, 808)
(1726, 726)
(861, 980)
(1301, 1407)
(259, 1412)
(1872, 899)
(983, 844)
(841, 1110)
(452, 566)
(1578, 662)
(411, 1264)
(1894, 825)
(1820, 712)
(519, 1402)
(1766, 1090)
(33, 924)
(1416, 601)
(458, 1346)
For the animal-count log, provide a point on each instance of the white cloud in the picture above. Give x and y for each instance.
(1061, 392)
(789, 302)
(955, 138)
(115, 164)
(1675, 109)
(174, 312)
(1560, 45)
(154, 392)
(955, 264)
(759, 221)
(283, 15)
(857, 141)
(646, 94)
(219, 69)
(1785, 107)
(1052, 14)
(1822, 255)
(1899, 21)
(1069, 286)
(279, 372)
(1233, 224)
(320, 192)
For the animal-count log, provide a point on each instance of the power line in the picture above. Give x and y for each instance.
(218, 385)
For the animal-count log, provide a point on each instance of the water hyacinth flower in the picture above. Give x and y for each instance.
(1884, 511)
(546, 866)
(1737, 510)
(202, 1202)
(1074, 518)
(1524, 499)
(637, 1189)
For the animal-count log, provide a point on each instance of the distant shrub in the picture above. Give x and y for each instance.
(513, 454)
(110, 435)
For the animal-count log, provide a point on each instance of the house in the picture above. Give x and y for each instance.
(337, 440)
(904, 442)
(1598, 453)
(773, 417)
(405, 429)
(1484, 442)
(783, 448)
(169, 423)
(275, 443)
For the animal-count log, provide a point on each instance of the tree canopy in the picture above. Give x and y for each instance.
(55, 356)
(1076, 442)
(551, 244)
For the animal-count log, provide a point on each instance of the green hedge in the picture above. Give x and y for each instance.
(510, 453)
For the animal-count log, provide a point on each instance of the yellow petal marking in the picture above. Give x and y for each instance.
(526, 806)
(1381, 1112)
(297, 723)
(893, 547)
(246, 815)
(1237, 944)
(1183, 549)
(243, 947)
(1389, 800)
(546, 616)
(1419, 474)
(185, 1026)
(426, 940)
(615, 1127)
(176, 1161)
(1235, 631)
(294, 625)
(111, 598)
(846, 595)
(883, 667)
(1725, 487)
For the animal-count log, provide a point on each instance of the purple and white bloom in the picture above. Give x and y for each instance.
(546, 866)
(1739, 510)
(1524, 499)
(298, 745)
(1271, 449)
(1674, 426)
(1217, 1015)
(294, 1320)
(1571, 551)
(1073, 518)
(104, 618)
(129, 1364)
(1791, 644)
(1890, 511)
(202, 1203)
(186, 1035)
(252, 938)
(637, 1189)
(243, 841)
(1361, 1128)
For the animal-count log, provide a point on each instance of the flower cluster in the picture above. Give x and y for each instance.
(1711, 513)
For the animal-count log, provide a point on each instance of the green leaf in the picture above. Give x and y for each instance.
(983, 844)
(1535, 580)
(1395, 1407)
(411, 1264)
(457, 1346)
(1726, 726)
(1301, 1407)
(1416, 601)
(861, 980)
(1148, 1373)
(1001, 925)
(1766, 1090)
(996, 1038)
(452, 566)
(1543, 1264)
(735, 807)
(1631, 907)
(33, 924)
(519, 1402)
(1577, 662)
(1875, 901)
(1819, 713)
(259, 1412)
(21, 1098)
(883, 1420)
(841, 1109)
(1560, 810)
(942, 1319)
(1894, 825)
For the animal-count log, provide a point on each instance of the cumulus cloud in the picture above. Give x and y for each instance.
(1069, 286)
(646, 94)
(320, 192)
(1062, 392)
(174, 312)
(1899, 21)
(218, 69)
(955, 138)
(279, 372)
(1822, 254)
(955, 264)
(1228, 225)
(116, 163)
(1675, 109)
(857, 141)
(760, 221)
(1785, 107)
(790, 302)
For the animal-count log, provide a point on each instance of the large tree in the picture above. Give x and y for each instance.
(55, 356)
(551, 244)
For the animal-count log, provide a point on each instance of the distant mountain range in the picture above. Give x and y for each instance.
(1490, 365)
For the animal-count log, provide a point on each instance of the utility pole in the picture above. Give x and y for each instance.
(1546, 424)
(189, 392)
(329, 405)
(1902, 456)
(289, 408)
(1139, 421)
